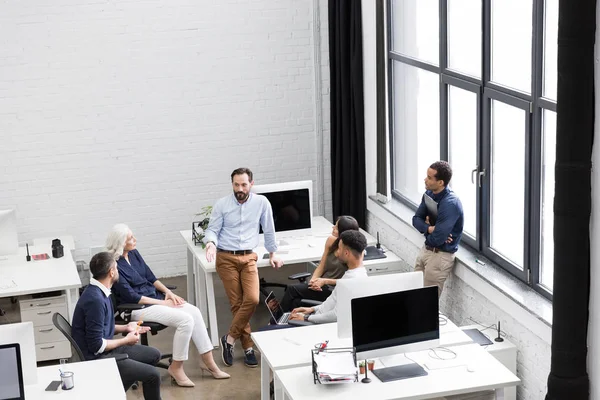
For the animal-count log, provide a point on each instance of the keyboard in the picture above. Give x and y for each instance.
(284, 318)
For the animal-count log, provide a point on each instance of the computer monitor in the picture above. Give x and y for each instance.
(9, 244)
(394, 323)
(11, 372)
(348, 289)
(22, 333)
(292, 206)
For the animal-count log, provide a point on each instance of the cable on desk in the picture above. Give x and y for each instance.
(443, 319)
(441, 353)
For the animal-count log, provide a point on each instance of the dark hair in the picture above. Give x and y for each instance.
(443, 171)
(101, 264)
(242, 171)
(344, 223)
(355, 241)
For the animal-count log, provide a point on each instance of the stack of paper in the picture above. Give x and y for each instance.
(335, 367)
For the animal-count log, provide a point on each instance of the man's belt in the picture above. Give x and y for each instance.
(434, 249)
(235, 252)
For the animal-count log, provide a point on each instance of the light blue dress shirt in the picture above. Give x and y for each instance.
(235, 226)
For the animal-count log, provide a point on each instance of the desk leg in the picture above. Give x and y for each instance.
(212, 309)
(499, 394)
(279, 392)
(265, 380)
(191, 290)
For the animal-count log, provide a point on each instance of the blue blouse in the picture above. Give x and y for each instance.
(135, 280)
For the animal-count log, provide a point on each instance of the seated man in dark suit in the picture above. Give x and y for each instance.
(94, 327)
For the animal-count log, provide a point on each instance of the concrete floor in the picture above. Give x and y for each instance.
(244, 382)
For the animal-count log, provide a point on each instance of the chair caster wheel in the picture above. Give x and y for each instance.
(134, 386)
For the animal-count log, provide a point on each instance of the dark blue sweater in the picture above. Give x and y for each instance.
(135, 280)
(93, 321)
(450, 220)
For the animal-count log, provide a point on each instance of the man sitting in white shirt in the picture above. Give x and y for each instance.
(351, 251)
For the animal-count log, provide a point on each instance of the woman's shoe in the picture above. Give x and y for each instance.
(184, 383)
(216, 374)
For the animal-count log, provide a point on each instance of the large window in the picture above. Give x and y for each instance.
(474, 82)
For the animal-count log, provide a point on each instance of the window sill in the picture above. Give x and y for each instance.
(481, 277)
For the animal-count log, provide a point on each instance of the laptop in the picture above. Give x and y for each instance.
(11, 372)
(276, 311)
(432, 208)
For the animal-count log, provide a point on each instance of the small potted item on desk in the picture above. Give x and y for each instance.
(370, 364)
(361, 367)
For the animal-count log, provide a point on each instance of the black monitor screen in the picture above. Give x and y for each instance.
(291, 209)
(394, 319)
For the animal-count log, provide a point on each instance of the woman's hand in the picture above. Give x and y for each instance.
(178, 301)
(135, 326)
(317, 284)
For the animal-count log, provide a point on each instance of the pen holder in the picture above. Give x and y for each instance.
(57, 249)
(67, 380)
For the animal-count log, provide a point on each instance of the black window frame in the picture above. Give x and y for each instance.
(533, 103)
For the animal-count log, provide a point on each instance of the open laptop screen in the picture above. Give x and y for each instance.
(11, 373)
(273, 305)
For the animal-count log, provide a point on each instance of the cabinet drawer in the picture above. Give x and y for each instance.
(53, 350)
(47, 334)
(42, 316)
(29, 304)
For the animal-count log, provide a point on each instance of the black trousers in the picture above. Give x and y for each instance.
(295, 293)
(140, 366)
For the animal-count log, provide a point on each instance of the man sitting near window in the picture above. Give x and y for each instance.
(351, 251)
(94, 327)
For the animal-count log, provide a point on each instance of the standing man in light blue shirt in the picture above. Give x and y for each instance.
(231, 237)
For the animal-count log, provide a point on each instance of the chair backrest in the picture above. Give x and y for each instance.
(63, 325)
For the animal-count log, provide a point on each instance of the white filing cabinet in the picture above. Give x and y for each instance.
(392, 264)
(50, 343)
(505, 352)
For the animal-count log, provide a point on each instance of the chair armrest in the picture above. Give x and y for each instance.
(130, 307)
(310, 303)
(119, 357)
(301, 276)
(295, 322)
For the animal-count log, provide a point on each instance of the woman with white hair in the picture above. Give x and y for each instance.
(137, 284)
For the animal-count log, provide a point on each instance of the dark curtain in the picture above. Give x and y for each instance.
(349, 192)
(568, 377)
(381, 90)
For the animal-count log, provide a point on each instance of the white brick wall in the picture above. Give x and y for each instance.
(137, 112)
(466, 306)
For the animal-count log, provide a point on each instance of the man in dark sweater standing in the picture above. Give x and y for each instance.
(94, 327)
(443, 230)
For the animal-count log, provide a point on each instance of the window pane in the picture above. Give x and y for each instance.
(415, 27)
(464, 36)
(550, 48)
(416, 127)
(511, 43)
(462, 129)
(547, 261)
(507, 181)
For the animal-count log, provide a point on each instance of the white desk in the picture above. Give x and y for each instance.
(505, 352)
(290, 348)
(19, 277)
(301, 249)
(98, 379)
(488, 374)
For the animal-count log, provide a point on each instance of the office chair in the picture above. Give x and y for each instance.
(123, 317)
(65, 328)
(300, 277)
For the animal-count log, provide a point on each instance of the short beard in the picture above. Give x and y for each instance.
(241, 196)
